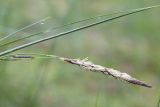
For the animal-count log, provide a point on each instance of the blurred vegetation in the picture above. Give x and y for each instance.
(129, 44)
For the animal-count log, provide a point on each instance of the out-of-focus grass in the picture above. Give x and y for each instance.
(129, 44)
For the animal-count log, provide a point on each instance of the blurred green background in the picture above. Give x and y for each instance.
(129, 44)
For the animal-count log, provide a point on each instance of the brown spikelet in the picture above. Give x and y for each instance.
(107, 71)
(86, 65)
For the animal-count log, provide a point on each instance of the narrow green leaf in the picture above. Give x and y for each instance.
(54, 28)
(26, 27)
(77, 29)
(20, 39)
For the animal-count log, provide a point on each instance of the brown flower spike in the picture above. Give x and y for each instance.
(84, 64)
(107, 71)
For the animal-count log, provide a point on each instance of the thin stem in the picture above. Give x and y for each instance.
(20, 39)
(85, 64)
(26, 27)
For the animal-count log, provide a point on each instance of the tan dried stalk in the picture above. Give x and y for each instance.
(107, 71)
(88, 65)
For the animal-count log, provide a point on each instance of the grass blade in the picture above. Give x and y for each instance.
(26, 27)
(20, 39)
(74, 30)
(55, 28)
